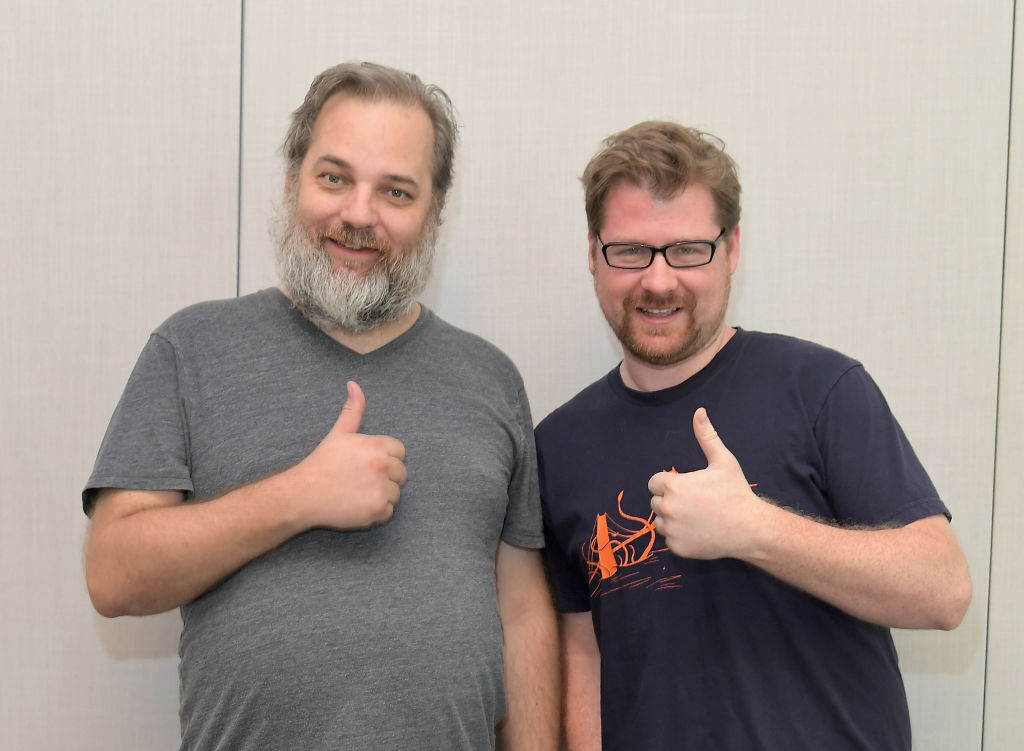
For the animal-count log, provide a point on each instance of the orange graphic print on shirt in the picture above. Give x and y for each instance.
(621, 553)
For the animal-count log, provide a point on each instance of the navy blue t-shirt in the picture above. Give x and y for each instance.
(719, 655)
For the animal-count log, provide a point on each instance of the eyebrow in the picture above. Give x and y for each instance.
(341, 163)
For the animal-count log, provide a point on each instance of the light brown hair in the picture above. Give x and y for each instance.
(664, 158)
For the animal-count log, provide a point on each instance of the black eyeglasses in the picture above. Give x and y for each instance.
(681, 255)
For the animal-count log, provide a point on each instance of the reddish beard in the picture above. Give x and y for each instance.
(670, 344)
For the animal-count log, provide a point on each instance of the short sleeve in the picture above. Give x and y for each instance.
(872, 474)
(568, 586)
(522, 525)
(568, 583)
(146, 443)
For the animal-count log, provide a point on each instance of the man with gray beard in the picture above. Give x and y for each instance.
(251, 473)
(350, 302)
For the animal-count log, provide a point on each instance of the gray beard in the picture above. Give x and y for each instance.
(335, 299)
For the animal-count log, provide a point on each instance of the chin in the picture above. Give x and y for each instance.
(663, 350)
(352, 268)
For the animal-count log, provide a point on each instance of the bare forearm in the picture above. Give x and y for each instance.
(162, 556)
(147, 552)
(582, 660)
(582, 707)
(909, 577)
(532, 685)
(532, 674)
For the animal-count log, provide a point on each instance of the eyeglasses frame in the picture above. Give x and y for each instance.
(663, 250)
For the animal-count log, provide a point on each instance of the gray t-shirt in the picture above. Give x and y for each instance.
(386, 638)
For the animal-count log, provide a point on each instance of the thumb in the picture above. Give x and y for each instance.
(352, 413)
(714, 450)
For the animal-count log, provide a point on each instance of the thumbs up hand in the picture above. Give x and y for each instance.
(709, 513)
(351, 480)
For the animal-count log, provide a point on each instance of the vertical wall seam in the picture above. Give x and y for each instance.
(999, 379)
(241, 110)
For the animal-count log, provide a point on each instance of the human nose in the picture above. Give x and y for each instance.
(357, 208)
(659, 278)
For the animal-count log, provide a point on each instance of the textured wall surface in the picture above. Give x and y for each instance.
(140, 170)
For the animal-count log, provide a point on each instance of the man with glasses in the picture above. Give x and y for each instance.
(734, 519)
(348, 576)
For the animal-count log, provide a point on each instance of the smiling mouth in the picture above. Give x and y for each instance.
(658, 312)
(352, 245)
(354, 240)
(353, 248)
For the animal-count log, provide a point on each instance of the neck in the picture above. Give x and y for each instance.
(363, 342)
(644, 376)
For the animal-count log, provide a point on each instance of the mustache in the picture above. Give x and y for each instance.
(353, 238)
(647, 300)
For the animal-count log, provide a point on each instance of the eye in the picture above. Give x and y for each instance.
(332, 178)
(690, 250)
(398, 195)
(628, 256)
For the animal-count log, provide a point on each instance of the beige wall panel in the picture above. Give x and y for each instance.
(1004, 695)
(119, 202)
(871, 139)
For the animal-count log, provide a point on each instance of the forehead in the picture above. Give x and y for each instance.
(632, 212)
(383, 136)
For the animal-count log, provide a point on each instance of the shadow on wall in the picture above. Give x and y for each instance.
(139, 638)
(942, 652)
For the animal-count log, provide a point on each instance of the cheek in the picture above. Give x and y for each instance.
(713, 293)
(402, 227)
(610, 292)
(410, 227)
(310, 211)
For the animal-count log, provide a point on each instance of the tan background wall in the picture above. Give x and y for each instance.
(1004, 695)
(140, 168)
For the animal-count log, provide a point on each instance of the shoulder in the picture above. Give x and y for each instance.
(581, 408)
(781, 354)
(779, 374)
(201, 316)
(228, 319)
